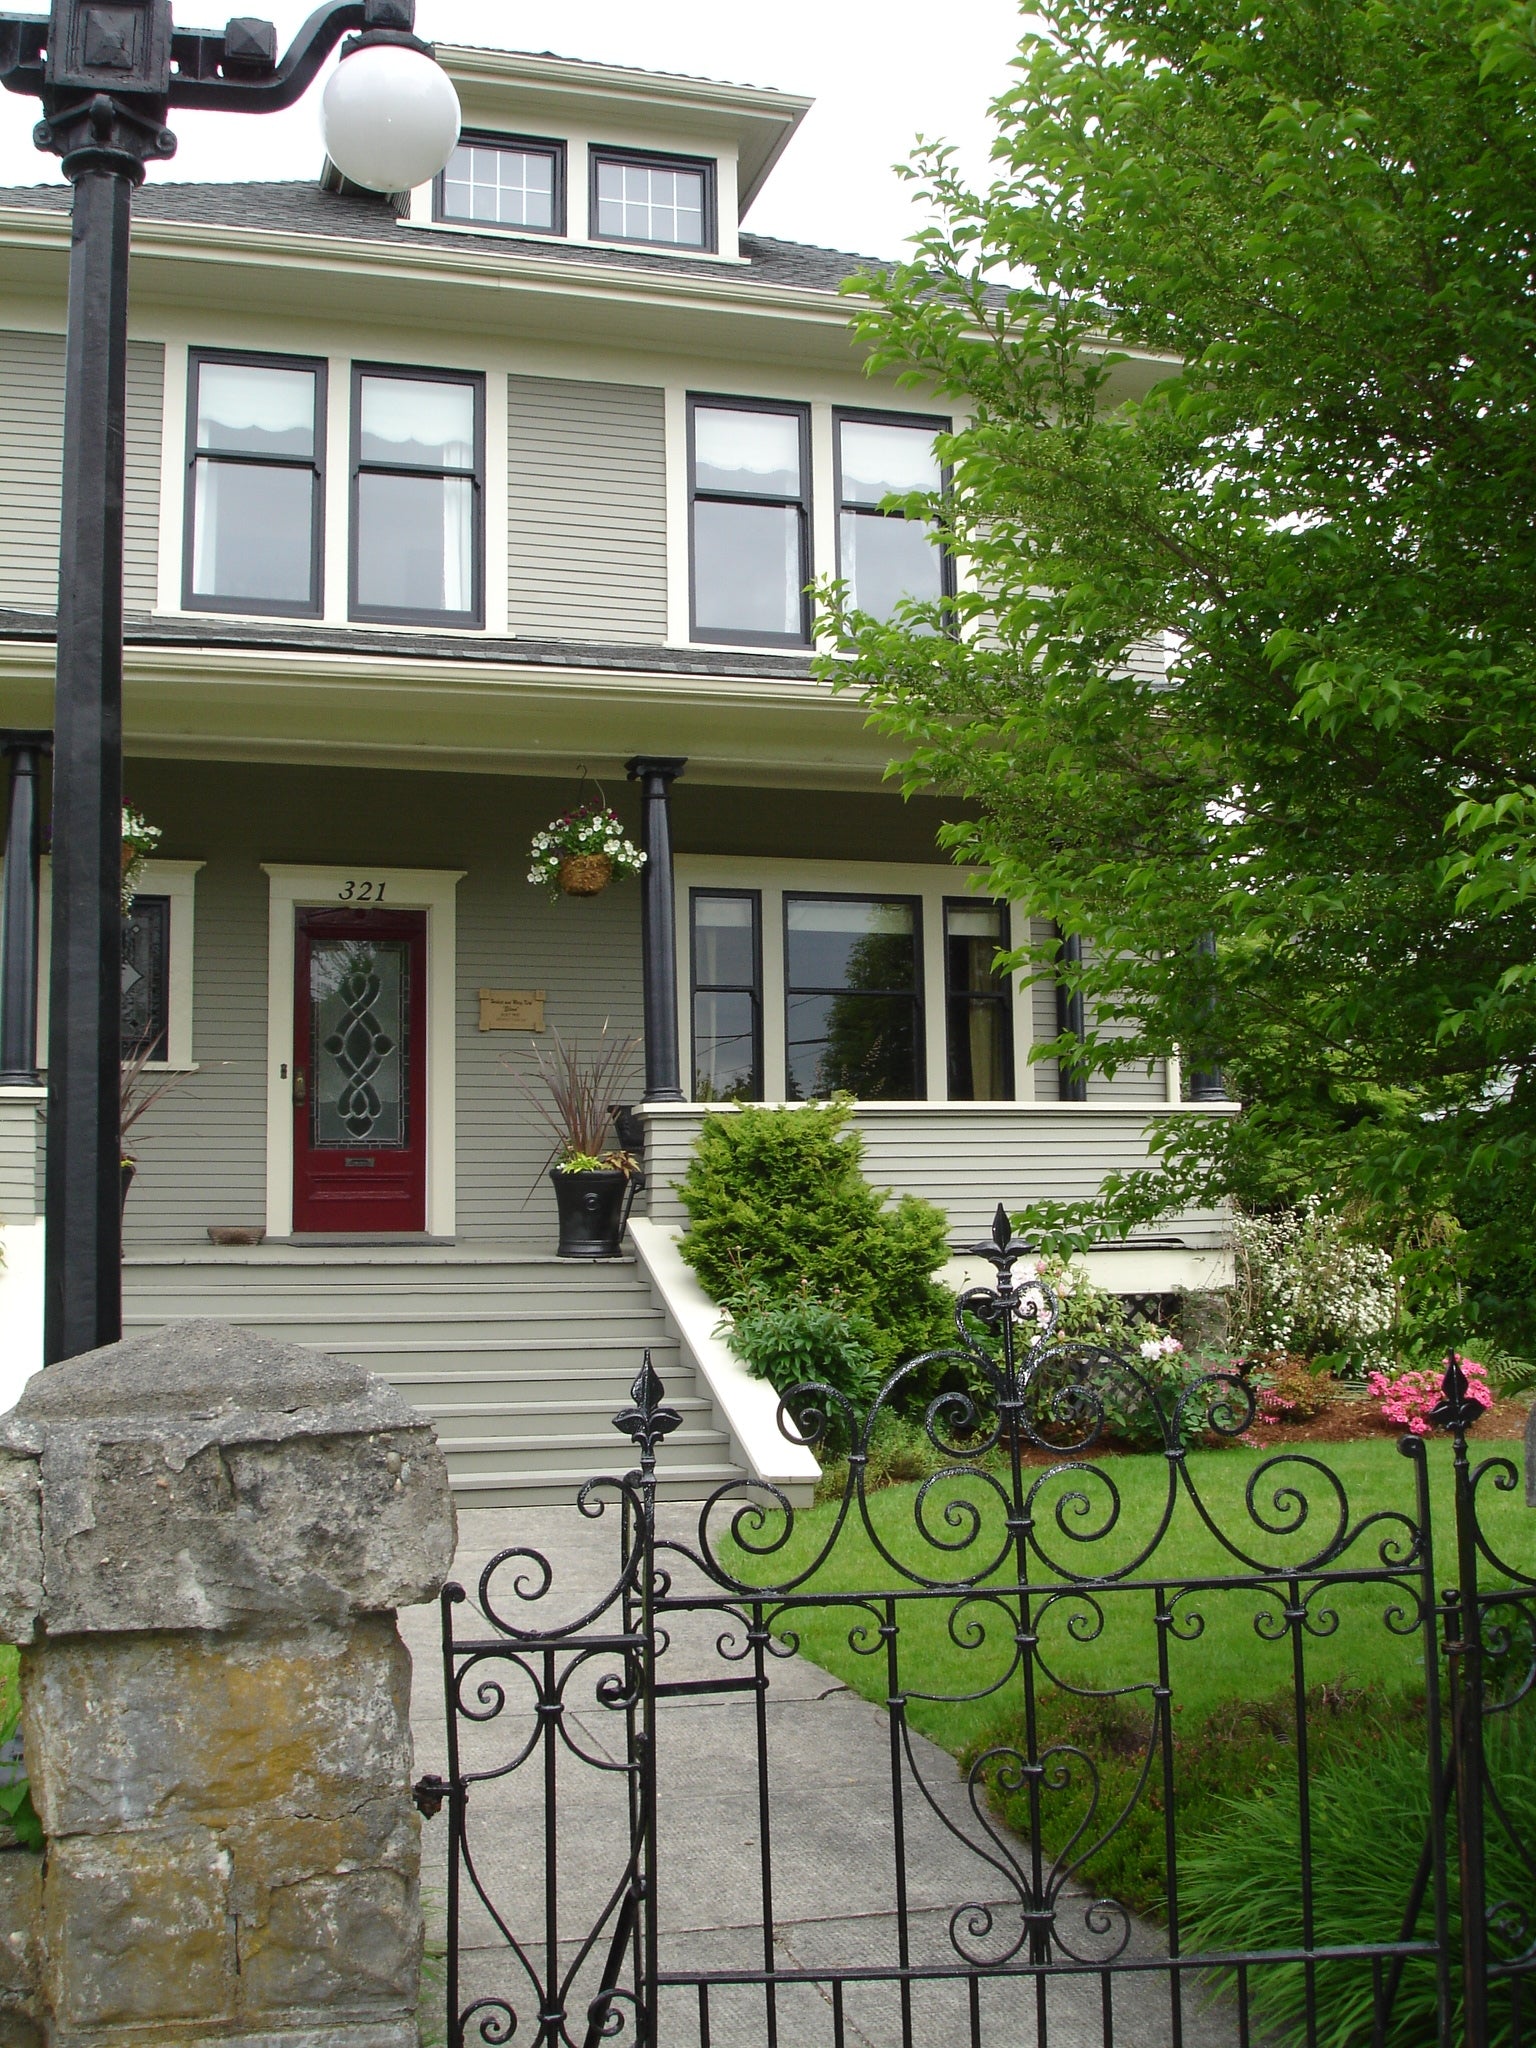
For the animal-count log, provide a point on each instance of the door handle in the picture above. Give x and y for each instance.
(300, 1087)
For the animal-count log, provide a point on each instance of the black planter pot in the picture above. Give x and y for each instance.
(594, 1208)
(126, 1171)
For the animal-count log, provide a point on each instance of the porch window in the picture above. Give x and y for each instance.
(751, 519)
(727, 996)
(977, 1002)
(504, 182)
(417, 490)
(146, 1000)
(254, 484)
(884, 556)
(638, 197)
(852, 1010)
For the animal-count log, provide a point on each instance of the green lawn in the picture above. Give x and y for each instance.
(948, 1649)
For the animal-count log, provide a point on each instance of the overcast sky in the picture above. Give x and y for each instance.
(881, 72)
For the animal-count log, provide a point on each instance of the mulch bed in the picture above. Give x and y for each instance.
(1352, 1420)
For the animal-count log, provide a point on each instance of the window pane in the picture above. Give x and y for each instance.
(887, 560)
(724, 1047)
(415, 543)
(146, 1005)
(977, 1007)
(880, 461)
(243, 409)
(747, 567)
(508, 187)
(418, 423)
(858, 943)
(359, 1061)
(725, 941)
(754, 454)
(650, 203)
(253, 533)
(866, 1045)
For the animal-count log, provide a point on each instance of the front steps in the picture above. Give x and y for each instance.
(521, 1363)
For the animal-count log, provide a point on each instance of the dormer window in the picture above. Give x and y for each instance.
(668, 201)
(504, 181)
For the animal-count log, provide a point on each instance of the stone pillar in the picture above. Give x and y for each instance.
(658, 927)
(23, 867)
(203, 1539)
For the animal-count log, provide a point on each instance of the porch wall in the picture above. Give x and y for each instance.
(964, 1157)
(21, 1239)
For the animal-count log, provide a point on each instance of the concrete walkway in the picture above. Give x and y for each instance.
(833, 1869)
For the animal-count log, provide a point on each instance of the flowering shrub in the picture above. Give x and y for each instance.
(1408, 1397)
(1304, 1285)
(1286, 1389)
(590, 828)
(1137, 1411)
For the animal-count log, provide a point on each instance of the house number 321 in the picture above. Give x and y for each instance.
(362, 892)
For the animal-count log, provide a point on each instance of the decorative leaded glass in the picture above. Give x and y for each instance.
(360, 1051)
(146, 1009)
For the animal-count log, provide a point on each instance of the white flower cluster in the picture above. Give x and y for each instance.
(1304, 1285)
(139, 841)
(1154, 1348)
(589, 830)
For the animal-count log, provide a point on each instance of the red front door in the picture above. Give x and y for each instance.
(360, 1071)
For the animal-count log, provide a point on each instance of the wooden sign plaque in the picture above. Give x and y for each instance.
(511, 1009)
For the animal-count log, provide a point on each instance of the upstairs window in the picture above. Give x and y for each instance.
(504, 182)
(665, 200)
(418, 459)
(751, 518)
(886, 557)
(254, 488)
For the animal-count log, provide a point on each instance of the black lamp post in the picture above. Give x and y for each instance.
(109, 77)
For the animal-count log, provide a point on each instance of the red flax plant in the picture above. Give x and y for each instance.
(574, 1093)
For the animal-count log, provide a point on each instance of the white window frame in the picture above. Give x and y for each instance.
(176, 879)
(434, 890)
(773, 880)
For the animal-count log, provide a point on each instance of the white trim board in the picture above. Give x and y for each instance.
(433, 890)
(176, 879)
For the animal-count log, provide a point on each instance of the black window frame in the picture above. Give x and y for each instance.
(256, 359)
(875, 416)
(918, 991)
(1003, 998)
(599, 153)
(757, 992)
(408, 615)
(485, 138)
(790, 408)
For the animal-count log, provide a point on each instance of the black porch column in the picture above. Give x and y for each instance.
(658, 926)
(23, 858)
(1070, 1086)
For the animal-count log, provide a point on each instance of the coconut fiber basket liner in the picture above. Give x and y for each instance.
(585, 874)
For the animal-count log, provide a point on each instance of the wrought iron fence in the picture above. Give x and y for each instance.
(1030, 1562)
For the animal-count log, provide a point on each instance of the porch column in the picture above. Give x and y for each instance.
(1070, 1087)
(23, 859)
(658, 926)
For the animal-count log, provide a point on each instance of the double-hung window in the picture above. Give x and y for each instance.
(727, 995)
(853, 1012)
(418, 479)
(980, 1045)
(668, 201)
(886, 557)
(255, 484)
(504, 182)
(750, 468)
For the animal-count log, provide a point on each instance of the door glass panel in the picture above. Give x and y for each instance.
(245, 409)
(979, 1065)
(146, 1004)
(359, 1053)
(851, 998)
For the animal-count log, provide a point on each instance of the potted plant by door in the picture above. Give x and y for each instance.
(595, 1183)
(579, 853)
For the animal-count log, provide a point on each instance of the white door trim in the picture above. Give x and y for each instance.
(430, 889)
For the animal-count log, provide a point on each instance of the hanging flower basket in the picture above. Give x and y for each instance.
(579, 854)
(139, 842)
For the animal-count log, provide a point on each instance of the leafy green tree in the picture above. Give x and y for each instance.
(1243, 342)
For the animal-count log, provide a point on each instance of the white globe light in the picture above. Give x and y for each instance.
(390, 118)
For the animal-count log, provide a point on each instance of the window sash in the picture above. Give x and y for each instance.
(458, 489)
(797, 600)
(201, 546)
(705, 988)
(528, 148)
(857, 511)
(603, 162)
(902, 1003)
(972, 1012)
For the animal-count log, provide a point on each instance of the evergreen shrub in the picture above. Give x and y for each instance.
(780, 1216)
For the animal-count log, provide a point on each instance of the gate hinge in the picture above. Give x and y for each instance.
(429, 1794)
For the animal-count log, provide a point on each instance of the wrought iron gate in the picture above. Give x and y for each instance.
(1036, 1560)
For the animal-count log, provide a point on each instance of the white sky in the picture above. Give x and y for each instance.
(881, 71)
